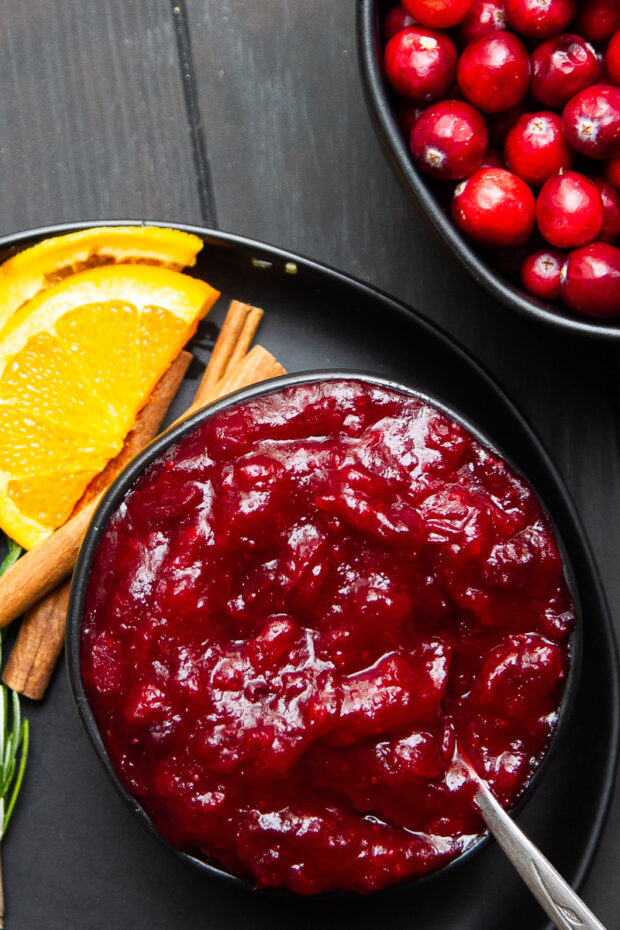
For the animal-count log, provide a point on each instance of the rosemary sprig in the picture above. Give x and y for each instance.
(14, 738)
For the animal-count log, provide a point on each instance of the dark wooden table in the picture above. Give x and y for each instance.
(103, 115)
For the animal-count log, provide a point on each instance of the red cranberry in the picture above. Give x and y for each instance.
(494, 207)
(569, 210)
(408, 112)
(420, 63)
(494, 72)
(539, 19)
(540, 273)
(591, 280)
(535, 147)
(449, 140)
(612, 172)
(440, 14)
(396, 19)
(492, 159)
(591, 121)
(561, 67)
(611, 210)
(597, 20)
(486, 16)
(612, 58)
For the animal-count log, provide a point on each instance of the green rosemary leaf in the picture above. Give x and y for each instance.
(13, 553)
(24, 739)
(14, 732)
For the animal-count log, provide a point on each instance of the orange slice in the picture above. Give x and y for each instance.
(76, 365)
(24, 275)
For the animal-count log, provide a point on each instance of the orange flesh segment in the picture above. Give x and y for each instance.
(32, 270)
(74, 372)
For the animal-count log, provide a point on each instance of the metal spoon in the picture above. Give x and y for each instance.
(555, 896)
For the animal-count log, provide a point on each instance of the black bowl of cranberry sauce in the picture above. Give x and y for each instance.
(290, 612)
(501, 224)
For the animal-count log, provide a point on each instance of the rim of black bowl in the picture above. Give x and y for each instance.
(381, 110)
(124, 484)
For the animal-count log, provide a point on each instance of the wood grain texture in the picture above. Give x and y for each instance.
(92, 115)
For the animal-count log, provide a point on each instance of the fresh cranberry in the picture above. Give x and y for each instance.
(612, 172)
(408, 112)
(612, 58)
(561, 67)
(486, 16)
(492, 159)
(440, 14)
(494, 72)
(539, 19)
(569, 210)
(395, 21)
(591, 121)
(535, 148)
(420, 63)
(611, 207)
(591, 280)
(597, 20)
(449, 140)
(540, 273)
(494, 207)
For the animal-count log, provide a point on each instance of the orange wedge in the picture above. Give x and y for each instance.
(76, 365)
(24, 275)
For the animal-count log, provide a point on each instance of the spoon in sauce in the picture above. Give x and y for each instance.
(553, 893)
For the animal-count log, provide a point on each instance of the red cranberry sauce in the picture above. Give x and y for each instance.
(297, 616)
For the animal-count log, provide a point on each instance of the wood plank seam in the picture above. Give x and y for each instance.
(206, 196)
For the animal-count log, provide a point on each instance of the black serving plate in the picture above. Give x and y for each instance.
(380, 101)
(98, 867)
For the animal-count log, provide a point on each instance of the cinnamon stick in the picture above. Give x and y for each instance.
(41, 635)
(257, 365)
(233, 342)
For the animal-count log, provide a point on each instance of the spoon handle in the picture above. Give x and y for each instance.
(555, 896)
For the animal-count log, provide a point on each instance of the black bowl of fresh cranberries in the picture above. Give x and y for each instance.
(503, 119)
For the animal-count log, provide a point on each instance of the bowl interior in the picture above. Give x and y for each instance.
(380, 100)
(126, 481)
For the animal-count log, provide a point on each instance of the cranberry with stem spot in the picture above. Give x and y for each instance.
(569, 210)
(561, 67)
(536, 149)
(539, 19)
(494, 207)
(540, 273)
(591, 280)
(486, 16)
(420, 63)
(591, 121)
(449, 140)
(440, 14)
(494, 72)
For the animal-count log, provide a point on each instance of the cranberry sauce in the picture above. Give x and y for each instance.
(297, 616)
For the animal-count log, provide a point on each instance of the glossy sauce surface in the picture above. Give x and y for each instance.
(297, 615)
